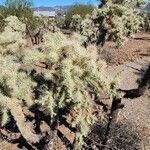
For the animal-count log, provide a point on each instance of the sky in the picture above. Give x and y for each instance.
(58, 2)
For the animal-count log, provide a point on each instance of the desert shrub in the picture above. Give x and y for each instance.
(2, 16)
(76, 22)
(117, 20)
(120, 28)
(146, 22)
(86, 28)
(79, 38)
(15, 88)
(60, 19)
(71, 77)
(12, 39)
(89, 30)
(48, 23)
(124, 136)
(74, 73)
(22, 10)
(107, 55)
(15, 92)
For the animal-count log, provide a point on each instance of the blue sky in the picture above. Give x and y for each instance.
(57, 2)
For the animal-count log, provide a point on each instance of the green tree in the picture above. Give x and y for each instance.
(18, 7)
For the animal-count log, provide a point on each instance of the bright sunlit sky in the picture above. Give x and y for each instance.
(58, 2)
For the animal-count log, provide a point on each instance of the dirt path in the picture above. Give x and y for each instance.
(131, 128)
(131, 72)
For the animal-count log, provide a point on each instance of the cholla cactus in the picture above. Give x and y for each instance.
(119, 20)
(122, 27)
(146, 22)
(86, 27)
(12, 39)
(45, 24)
(89, 29)
(72, 75)
(14, 23)
(15, 89)
(76, 22)
(60, 19)
(79, 38)
(15, 85)
(52, 25)
(74, 72)
(48, 23)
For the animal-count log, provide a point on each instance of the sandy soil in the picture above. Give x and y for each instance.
(134, 49)
(132, 127)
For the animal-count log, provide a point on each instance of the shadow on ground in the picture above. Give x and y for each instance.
(122, 136)
(144, 84)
